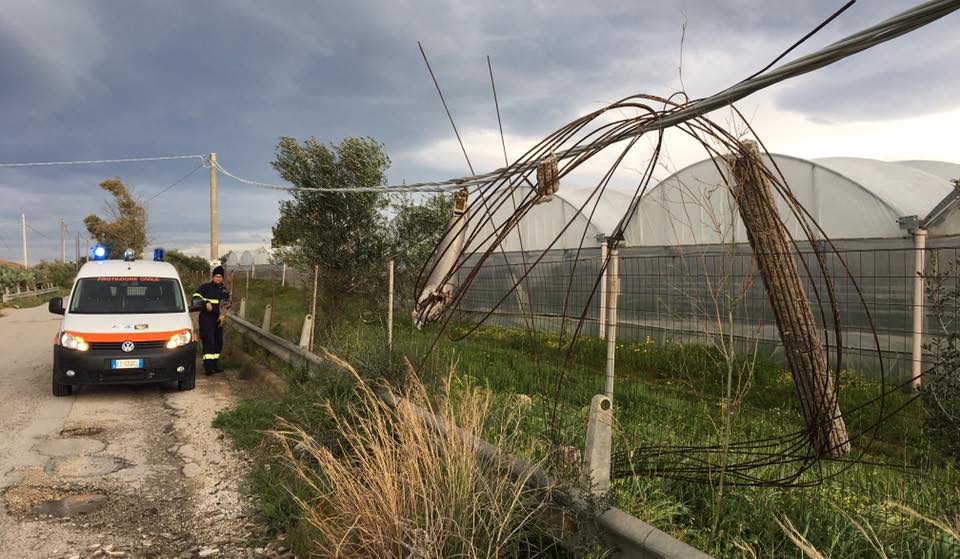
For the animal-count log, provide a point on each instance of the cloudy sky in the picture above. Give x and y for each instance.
(104, 79)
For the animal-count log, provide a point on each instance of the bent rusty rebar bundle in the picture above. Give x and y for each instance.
(472, 238)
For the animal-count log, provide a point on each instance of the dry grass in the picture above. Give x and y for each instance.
(867, 531)
(391, 486)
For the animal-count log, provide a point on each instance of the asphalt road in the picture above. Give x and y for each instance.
(137, 468)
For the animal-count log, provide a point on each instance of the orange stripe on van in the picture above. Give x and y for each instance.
(127, 336)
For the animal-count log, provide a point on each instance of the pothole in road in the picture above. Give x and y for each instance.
(85, 466)
(71, 505)
(81, 431)
(69, 447)
(59, 501)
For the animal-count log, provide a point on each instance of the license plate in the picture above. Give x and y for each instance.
(128, 363)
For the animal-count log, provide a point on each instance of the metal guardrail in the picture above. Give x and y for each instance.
(12, 295)
(632, 537)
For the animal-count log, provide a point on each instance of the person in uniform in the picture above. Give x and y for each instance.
(214, 299)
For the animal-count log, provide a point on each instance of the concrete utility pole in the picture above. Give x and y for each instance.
(78, 250)
(63, 241)
(214, 243)
(798, 329)
(23, 238)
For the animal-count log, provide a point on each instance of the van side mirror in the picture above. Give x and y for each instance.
(56, 305)
(196, 306)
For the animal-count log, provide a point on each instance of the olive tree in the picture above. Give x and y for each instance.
(126, 223)
(344, 233)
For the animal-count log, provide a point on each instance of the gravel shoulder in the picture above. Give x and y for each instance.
(113, 471)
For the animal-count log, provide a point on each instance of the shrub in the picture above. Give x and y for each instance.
(940, 389)
(393, 487)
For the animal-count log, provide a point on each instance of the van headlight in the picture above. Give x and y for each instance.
(180, 339)
(71, 341)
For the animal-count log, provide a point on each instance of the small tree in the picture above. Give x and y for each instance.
(345, 234)
(127, 227)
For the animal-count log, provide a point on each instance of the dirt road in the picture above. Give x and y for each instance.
(111, 472)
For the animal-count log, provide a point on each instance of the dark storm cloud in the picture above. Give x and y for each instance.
(96, 79)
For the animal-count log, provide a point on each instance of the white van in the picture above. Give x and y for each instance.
(125, 322)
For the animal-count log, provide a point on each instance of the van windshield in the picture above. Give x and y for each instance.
(126, 295)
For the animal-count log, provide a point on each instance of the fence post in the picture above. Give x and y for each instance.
(313, 305)
(919, 245)
(602, 325)
(306, 332)
(266, 317)
(390, 309)
(613, 295)
(283, 276)
(599, 446)
(242, 313)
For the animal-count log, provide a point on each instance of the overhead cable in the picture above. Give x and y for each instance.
(98, 161)
(178, 181)
(443, 186)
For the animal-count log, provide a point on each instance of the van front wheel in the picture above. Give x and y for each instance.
(61, 389)
(188, 383)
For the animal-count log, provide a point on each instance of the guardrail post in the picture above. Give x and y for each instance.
(597, 452)
(266, 317)
(306, 331)
(242, 313)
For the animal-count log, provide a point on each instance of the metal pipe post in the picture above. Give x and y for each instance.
(390, 308)
(602, 326)
(919, 245)
(313, 305)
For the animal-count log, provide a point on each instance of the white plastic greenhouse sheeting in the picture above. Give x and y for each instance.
(850, 198)
(259, 257)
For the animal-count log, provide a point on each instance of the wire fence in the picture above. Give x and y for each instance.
(696, 295)
(676, 306)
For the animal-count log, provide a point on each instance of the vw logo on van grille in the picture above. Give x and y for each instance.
(127, 346)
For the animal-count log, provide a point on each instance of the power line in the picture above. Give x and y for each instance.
(98, 161)
(442, 186)
(180, 180)
(30, 227)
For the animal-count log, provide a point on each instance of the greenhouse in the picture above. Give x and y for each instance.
(685, 260)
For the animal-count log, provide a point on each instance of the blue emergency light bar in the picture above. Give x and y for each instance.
(158, 255)
(98, 252)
